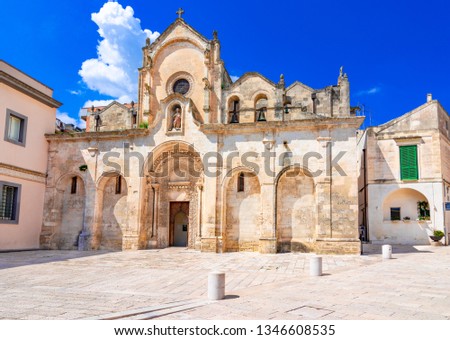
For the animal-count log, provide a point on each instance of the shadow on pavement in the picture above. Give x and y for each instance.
(231, 297)
(375, 249)
(14, 259)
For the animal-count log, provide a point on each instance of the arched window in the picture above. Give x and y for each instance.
(118, 185)
(260, 108)
(233, 110)
(73, 188)
(241, 182)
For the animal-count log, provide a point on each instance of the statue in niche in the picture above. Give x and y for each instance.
(176, 120)
(149, 62)
(147, 88)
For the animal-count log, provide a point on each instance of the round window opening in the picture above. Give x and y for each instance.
(181, 86)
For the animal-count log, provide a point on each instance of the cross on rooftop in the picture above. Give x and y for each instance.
(180, 12)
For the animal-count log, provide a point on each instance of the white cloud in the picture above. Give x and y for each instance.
(234, 78)
(65, 118)
(114, 71)
(75, 92)
(373, 90)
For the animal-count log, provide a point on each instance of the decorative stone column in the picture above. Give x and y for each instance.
(207, 100)
(268, 239)
(198, 243)
(153, 243)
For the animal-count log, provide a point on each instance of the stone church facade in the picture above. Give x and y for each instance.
(207, 163)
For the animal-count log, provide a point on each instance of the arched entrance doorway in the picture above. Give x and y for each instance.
(171, 214)
(179, 224)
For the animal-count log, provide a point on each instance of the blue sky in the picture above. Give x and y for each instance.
(394, 52)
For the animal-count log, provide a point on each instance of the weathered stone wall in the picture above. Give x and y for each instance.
(243, 214)
(114, 215)
(220, 219)
(296, 212)
(71, 209)
(112, 118)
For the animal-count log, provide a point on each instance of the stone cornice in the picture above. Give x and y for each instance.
(409, 134)
(407, 183)
(28, 90)
(79, 136)
(293, 125)
(18, 172)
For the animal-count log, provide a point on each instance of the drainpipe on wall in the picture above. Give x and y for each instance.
(366, 212)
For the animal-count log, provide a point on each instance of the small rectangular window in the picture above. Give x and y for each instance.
(395, 214)
(15, 128)
(118, 185)
(73, 188)
(9, 202)
(424, 210)
(408, 163)
(241, 182)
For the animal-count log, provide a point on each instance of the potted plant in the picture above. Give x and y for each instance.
(437, 235)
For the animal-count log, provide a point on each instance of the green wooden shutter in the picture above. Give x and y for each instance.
(408, 163)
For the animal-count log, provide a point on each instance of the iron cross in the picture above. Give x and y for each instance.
(180, 12)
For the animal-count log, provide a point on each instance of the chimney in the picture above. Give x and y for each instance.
(429, 97)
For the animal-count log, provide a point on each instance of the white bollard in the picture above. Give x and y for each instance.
(315, 266)
(387, 252)
(216, 286)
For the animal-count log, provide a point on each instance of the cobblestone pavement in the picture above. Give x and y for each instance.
(172, 284)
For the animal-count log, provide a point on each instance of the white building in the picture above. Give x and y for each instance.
(404, 178)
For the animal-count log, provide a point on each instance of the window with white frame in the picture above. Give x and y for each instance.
(15, 128)
(9, 202)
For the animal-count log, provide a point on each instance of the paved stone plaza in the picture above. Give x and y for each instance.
(172, 284)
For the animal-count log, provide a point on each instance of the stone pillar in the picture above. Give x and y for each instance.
(212, 203)
(344, 105)
(323, 208)
(131, 235)
(96, 228)
(211, 221)
(49, 216)
(323, 190)
(84, 239)
(207, 100)
(198, 242)
(155, 216)
(268, 239)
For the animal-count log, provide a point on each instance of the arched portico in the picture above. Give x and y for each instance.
(241, 225)
(70, 196)
(296, 210)
(111, 212)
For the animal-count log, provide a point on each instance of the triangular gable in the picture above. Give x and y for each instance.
(166, 34)
(250, 75)
(114, 102)
(393, 122)
(297, 83)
